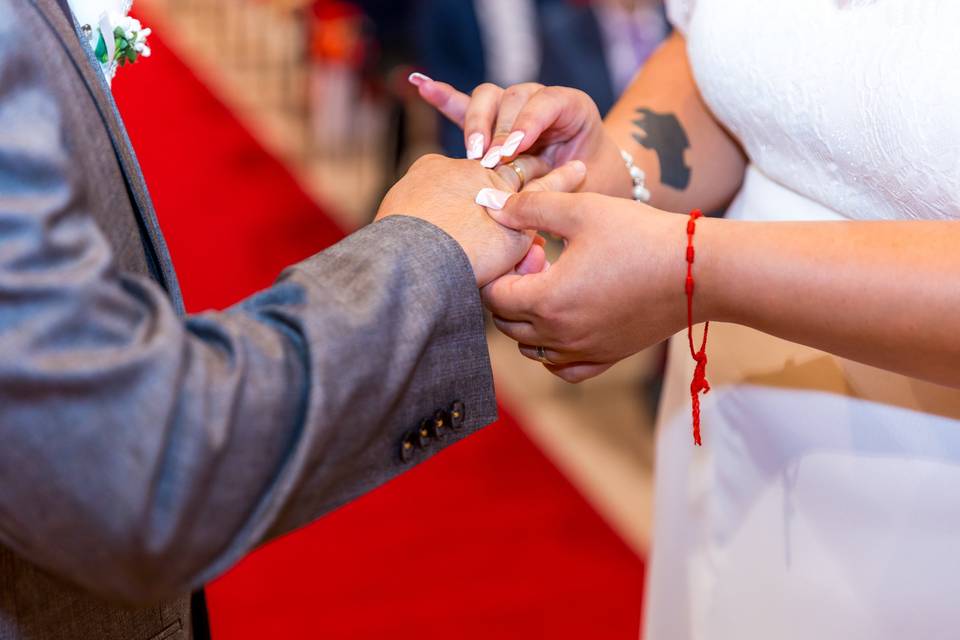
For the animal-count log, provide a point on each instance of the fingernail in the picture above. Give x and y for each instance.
(493, 198)
(512, 144)
(492, 158)
(417, 79)
(475, 147)
(578, 166)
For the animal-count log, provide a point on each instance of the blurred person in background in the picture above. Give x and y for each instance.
(340, 52)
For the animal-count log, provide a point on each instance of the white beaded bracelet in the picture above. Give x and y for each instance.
(639, 178)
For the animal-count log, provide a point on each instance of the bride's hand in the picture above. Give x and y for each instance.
(617, 288)
(556, 123)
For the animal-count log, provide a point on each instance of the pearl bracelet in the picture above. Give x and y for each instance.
(639, 178)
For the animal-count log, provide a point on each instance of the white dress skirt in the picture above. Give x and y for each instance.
(825, 502)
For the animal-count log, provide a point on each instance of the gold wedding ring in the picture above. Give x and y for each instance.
(520, 174)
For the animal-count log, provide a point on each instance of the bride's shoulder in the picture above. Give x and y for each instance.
(679, 13)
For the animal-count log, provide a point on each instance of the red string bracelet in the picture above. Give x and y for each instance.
(699, 383)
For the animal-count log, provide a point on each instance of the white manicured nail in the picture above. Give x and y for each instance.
(475, 147)
(493, 198)
(417, 79)
(492, 158)
(512, 144)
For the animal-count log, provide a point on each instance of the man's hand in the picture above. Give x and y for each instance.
(443, 192)
(616, 289)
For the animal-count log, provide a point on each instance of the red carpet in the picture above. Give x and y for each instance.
(487, 540)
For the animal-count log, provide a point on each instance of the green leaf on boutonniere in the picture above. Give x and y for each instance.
(130, 44)
(101, 51)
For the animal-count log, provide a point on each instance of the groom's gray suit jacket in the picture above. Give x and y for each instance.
(143, 452)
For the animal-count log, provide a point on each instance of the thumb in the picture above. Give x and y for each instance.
(542, 205)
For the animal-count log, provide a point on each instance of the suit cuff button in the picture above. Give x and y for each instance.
(407, 447)
(458, 415)
(440, 424)
(423, 433)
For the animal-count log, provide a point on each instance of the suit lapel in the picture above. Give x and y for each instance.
(60, 18)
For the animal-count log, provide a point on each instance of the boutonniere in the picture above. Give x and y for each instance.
(121, 41)
(116, 38)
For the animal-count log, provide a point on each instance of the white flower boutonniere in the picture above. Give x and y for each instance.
(122, 41)
(116, 38)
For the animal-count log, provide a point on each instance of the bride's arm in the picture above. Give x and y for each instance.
(883, 293)
(661, 120)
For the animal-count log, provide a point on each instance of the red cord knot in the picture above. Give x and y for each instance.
(699, 382)
(698, 385)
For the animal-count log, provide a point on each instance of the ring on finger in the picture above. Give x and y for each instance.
(520, 173)
(542, 356)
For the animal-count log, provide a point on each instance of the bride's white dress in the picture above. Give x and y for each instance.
(825, 502)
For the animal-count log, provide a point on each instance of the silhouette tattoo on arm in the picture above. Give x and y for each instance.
(663, 134)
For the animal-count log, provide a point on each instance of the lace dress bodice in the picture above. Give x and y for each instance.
(854, 104)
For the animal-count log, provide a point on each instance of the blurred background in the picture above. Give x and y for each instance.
(267, 130)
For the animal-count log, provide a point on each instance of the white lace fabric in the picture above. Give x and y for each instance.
(852, 103)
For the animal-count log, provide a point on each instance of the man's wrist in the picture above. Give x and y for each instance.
(442, 236)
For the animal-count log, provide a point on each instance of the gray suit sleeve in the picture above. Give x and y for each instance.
(142, 453)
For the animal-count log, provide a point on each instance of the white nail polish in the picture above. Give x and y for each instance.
(492, 158)
(493, 198)
(418, 78)
(512, 144)
(475, 147)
